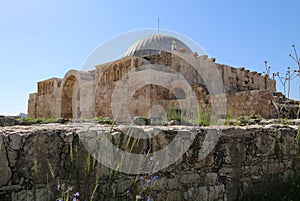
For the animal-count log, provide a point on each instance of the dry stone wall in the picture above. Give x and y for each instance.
(243, 158)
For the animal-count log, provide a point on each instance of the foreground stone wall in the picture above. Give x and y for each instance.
(243, 158)
(7, 120)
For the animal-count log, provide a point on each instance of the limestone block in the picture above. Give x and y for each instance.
(174, 196)
(15, 141)
(211, 178)
(5, 171)
(216, 192)
(102, 171)
(173, 184)
(41, 194)
(289, 146)
(190, 178)
(161, 183)
(12, 158)
(123, 186)
(7, 121)
(202, 193)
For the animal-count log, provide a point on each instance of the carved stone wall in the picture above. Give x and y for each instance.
(246, 103)
(44, 102)
(89, 94)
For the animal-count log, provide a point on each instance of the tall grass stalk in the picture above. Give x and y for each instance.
(35, 178)
(27, 197)
(94, 190)
(87, 175)
(71, 151)
(51, 170)
(47, 187)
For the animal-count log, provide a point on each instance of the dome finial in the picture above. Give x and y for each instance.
(158, 25)
(174, 47)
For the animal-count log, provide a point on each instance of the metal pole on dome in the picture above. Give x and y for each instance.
(158, 25)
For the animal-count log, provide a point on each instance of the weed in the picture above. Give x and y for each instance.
(103, 120)
(285, 121)
(204, 117)
(33, 120)
(35, 176)
(173, 113)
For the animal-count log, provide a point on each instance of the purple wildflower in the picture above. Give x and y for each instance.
(148, 182)
(155, 177)
(77, 194)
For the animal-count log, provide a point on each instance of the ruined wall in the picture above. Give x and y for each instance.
(44, 103)
(243, 158)
(89, 94)
(234, 79)
(246, 103)
(245, 94)
(31, 107)
(107, 78)
(240, 79)
(70, 97)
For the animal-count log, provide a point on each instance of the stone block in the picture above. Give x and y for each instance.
(4, 165)
(174, 196)
(189, 178)
(211, 178)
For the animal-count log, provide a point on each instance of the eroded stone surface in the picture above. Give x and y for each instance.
(242, 157)
(5, 170)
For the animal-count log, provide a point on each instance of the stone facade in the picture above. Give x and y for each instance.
(87, 94)
(243, 158)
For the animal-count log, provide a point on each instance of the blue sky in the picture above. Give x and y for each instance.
(43, 39)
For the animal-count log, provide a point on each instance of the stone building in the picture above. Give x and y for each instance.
(148, 79)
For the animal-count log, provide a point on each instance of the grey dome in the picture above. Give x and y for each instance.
(153, 44)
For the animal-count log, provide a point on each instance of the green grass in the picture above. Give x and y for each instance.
(33, 120)
(204, 117)
(243, 120)
(103, 120)
(37, 120)
(173, 113)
